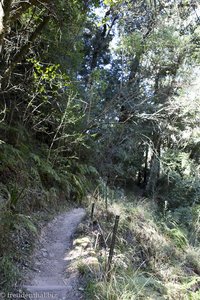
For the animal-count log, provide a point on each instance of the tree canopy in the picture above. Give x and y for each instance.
(109, 83)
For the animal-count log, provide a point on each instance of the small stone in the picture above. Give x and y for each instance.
(44, 250)
(70, 287)
(44, 254)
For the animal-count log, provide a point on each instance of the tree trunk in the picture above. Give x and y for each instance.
(5, 10)
(146, 165)
(154, 169)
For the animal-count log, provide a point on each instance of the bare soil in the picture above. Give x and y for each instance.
(51, 277)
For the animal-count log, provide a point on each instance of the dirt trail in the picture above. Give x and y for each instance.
(51, 279)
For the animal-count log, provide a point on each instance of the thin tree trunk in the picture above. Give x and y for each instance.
(6, 10)
(146, 165)
(154, 170)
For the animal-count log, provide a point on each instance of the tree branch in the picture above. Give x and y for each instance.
(24, 49)
(19, 8)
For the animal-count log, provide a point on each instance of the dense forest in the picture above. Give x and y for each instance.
(100, 93)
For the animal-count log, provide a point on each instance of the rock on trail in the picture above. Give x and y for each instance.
(50, 277)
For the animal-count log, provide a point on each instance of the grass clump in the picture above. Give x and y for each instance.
(154, 257)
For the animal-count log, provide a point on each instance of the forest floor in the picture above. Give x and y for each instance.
(51, 277)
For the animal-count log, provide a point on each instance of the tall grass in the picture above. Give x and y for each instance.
(154, 256)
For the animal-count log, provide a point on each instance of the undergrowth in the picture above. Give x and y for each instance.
(156, 255)
(33, 188)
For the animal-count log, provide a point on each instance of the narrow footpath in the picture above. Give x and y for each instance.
(50, 277)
